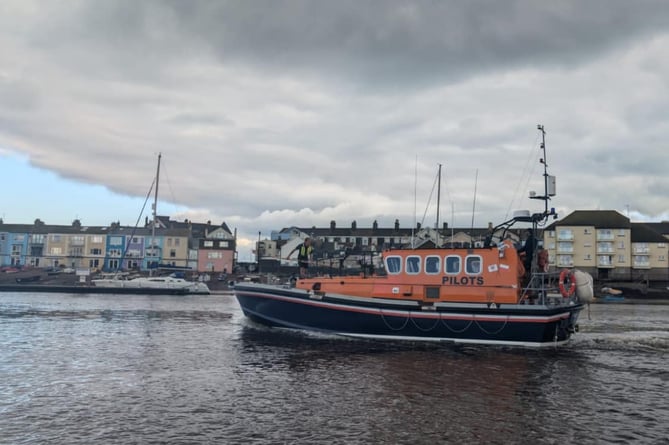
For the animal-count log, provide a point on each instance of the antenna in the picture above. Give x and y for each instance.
(549, 181)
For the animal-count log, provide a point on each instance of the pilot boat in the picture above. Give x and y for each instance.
(479, 295)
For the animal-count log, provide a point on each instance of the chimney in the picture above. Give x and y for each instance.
(397, 225)
(375, 225)
(417, 226)
(353, 225)
(489, 226)
(333, 225)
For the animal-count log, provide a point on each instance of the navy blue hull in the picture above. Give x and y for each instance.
(522, 325)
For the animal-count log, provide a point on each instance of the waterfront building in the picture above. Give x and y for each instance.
(607, 245)
(216, 250)
(352, 244)
(13, 246)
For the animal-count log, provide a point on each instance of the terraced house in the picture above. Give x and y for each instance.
(116, 247)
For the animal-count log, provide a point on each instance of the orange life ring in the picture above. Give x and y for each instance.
(567, 292)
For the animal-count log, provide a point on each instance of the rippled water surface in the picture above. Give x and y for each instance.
(82, 369)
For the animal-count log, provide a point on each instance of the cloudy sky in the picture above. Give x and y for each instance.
(277, 113)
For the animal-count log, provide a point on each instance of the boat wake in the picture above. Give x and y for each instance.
(633, 341)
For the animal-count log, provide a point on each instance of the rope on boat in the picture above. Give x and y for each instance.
(506, 320)
(436, 322)
(456, 331)
(392, 328)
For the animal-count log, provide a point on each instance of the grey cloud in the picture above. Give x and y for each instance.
(396, 43)
(391, 43)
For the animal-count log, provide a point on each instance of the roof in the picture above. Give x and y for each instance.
(601, 219)
(644, 233)
(659, 227)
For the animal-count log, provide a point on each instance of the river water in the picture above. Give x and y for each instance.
(122, 369)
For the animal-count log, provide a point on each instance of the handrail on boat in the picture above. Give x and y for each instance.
(541, 286)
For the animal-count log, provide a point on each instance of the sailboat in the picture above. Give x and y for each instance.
(479, 295)
(152, 284)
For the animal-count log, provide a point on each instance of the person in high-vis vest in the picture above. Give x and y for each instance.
(304, 256)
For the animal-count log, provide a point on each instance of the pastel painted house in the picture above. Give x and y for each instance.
(216, 252)
(13, 248)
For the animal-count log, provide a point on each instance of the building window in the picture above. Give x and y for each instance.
(605, 234)
(224, 244)
(37, 239)
(115, 240)
(641, 261)
(605, 247)
(621, 258)
(565, 234)
(177, 242)
(565, 247)
(55, 238)
(604, 260)
(56, 251)
(173, 253)
(565, 261)
(208, 243)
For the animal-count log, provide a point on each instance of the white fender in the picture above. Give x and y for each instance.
(584, 290)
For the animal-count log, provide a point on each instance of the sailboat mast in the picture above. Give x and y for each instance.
(155, 214)
(436, 227)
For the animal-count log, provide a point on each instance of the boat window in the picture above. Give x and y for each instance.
(432, 264)
(452, 264)
(394, 264)
(473, 265)
(413, 265)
